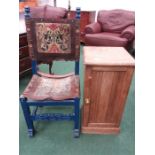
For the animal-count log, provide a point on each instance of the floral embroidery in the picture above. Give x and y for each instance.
(53, 38)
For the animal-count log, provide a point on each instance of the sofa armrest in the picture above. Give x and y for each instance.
(128, 33)
(93, 28)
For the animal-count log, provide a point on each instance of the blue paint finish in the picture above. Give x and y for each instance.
(34, 67)
(78, 10)
(53, 117)
(35, 110)
(76, 112)
(77, 67)
(51, 103)
(29, 118)
(27, 11)
(26, 111)
(76, 131)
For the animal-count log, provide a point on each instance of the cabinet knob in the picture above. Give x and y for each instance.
(87, 100)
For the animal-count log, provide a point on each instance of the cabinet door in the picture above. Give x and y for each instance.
(107, 92)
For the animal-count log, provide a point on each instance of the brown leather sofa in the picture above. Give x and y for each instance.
(113, 28)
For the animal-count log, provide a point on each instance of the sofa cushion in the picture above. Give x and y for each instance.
(105, 39)
(115, 20)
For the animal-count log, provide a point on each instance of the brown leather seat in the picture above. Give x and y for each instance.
(51, 87)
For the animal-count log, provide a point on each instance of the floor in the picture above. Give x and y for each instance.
(55, 138)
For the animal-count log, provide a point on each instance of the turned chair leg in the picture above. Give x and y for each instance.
(50, 67)
(76, 131)
(26, 111)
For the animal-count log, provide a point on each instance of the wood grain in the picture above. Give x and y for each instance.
(98, 130)
(107, 56)
(107, 88)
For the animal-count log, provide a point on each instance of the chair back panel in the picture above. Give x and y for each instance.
(53, 39)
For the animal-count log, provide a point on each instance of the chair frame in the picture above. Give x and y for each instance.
(33, 116)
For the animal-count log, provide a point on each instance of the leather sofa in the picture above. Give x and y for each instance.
(113, 28)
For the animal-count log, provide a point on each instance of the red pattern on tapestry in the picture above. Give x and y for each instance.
(53, 27)
(54, 49)
(53, 38)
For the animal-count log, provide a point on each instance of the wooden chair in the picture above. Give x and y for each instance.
(52, 39)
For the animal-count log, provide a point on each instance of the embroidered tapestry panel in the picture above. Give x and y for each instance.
(53, 37)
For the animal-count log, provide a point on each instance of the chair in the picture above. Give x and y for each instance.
(113, 28)
(48, 11)
(48, 40)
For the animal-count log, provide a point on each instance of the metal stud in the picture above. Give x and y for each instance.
(28, 29)
(77, 31)
(77, 46)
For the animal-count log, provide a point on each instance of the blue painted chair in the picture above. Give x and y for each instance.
(48, 40)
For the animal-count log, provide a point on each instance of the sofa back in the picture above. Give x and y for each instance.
(115, 20)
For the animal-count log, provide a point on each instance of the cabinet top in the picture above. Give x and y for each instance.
(108, 56)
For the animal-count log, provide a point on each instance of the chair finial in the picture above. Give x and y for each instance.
(27, 11)
(78, 10)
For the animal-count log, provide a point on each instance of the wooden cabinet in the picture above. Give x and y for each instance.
(108, 73)
(86, 18)
(24, 59)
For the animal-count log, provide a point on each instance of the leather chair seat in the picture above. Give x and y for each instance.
(105, 39)
(51, 87)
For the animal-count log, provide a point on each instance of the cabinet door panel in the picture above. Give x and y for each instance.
(106, 85)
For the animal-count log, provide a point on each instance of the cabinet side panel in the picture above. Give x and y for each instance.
(121, 95)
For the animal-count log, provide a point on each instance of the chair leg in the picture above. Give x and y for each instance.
(50, 67)
(76, 118)
(26, 111)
